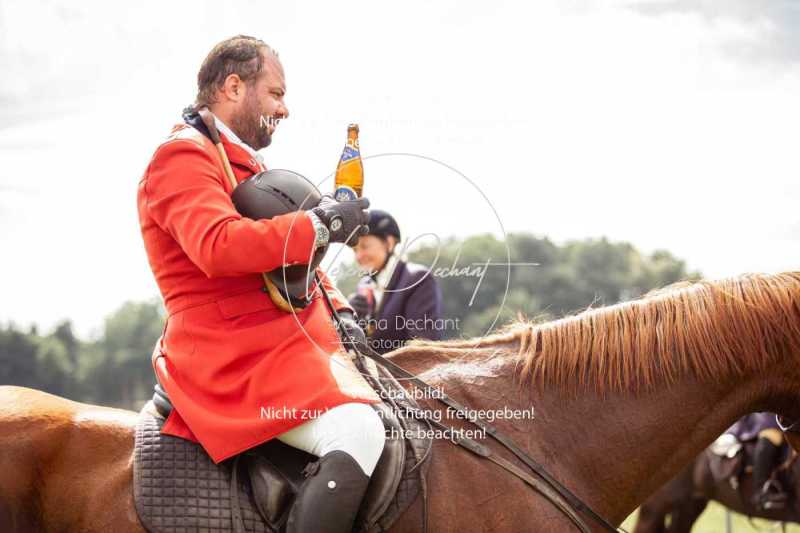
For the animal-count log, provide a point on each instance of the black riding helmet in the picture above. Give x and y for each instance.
(278, 192)
(382, 224)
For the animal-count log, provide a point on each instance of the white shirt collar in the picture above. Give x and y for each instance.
(383, 277)
(232, 137)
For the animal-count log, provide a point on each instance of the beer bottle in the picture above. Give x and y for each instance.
(349, 181)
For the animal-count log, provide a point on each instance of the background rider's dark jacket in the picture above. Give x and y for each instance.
(412, 298)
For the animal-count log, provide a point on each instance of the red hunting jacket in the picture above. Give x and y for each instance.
(238, 370)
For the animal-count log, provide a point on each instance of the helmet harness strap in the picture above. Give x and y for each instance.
(208, 119)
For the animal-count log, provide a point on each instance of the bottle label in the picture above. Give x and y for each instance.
(350, 152)
(343, 193)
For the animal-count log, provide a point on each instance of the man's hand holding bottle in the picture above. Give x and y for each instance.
(345, 221)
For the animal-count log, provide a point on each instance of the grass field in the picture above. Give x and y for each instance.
(713, 521)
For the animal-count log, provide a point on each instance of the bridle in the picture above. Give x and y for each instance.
(538, 479)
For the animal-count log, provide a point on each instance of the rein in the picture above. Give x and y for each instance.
(555, 492)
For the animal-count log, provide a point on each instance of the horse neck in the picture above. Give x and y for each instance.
(612, 451)
(620, 448)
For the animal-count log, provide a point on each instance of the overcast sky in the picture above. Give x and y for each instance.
(669, 124)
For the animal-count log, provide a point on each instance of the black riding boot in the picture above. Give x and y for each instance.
(766, 495)
(329, 498)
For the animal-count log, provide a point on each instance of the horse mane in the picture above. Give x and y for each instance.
(708, 329)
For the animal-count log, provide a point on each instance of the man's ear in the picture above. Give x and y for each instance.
(233, 88)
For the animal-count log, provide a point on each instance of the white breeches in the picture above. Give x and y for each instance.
(354, 428)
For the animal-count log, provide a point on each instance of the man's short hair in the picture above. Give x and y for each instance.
(239, 55)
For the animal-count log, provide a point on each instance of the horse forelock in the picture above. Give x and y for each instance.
(707, 329)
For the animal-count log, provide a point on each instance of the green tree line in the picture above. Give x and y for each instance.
(533, 277)
(111, 370)
(543, 280)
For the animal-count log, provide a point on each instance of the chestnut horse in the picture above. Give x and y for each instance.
(625, 396)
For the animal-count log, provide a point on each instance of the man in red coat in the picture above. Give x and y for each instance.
(239, 370)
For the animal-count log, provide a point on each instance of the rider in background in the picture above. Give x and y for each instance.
(768, 493)
(397, 300)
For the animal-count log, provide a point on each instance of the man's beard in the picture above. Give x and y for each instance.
(247, 124)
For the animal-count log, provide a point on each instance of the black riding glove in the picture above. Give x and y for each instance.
(346, 221)
(352, 331)
(360, 305)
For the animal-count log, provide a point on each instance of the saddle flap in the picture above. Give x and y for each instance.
(415, 440)
(724, 468)
(726, 459)
(272, 491)
(386, 477)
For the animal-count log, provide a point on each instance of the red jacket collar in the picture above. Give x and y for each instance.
(240, 156)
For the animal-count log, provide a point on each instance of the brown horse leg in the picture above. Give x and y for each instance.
(652, 518)
(656, 517)
(683, 518)
(670, 507)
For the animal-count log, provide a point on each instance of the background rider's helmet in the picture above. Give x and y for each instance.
(382, 224)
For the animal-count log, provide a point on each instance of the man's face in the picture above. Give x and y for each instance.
(257, 115)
